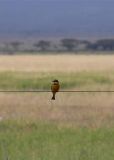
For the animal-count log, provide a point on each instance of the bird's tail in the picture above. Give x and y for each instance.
(53, 97)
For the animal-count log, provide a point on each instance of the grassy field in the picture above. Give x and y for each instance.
(57, 63)
(41, 81)
(46, 141)
(77, 126)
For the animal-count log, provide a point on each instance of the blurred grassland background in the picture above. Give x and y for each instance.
(75, 126)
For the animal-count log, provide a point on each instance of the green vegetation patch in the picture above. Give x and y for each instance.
(38, 141)
(34, 80)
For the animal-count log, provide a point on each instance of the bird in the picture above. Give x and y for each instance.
(54, 88)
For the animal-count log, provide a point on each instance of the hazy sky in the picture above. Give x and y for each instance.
(57, 16)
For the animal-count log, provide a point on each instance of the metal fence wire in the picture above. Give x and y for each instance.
(68, 91)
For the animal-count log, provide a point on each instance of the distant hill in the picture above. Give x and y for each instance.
(57, 18)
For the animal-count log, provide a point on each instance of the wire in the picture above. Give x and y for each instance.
(69, 91)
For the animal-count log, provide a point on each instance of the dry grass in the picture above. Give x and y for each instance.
(57, 63)
(82, 110)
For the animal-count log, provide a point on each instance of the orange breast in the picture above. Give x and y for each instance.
(55, 87)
